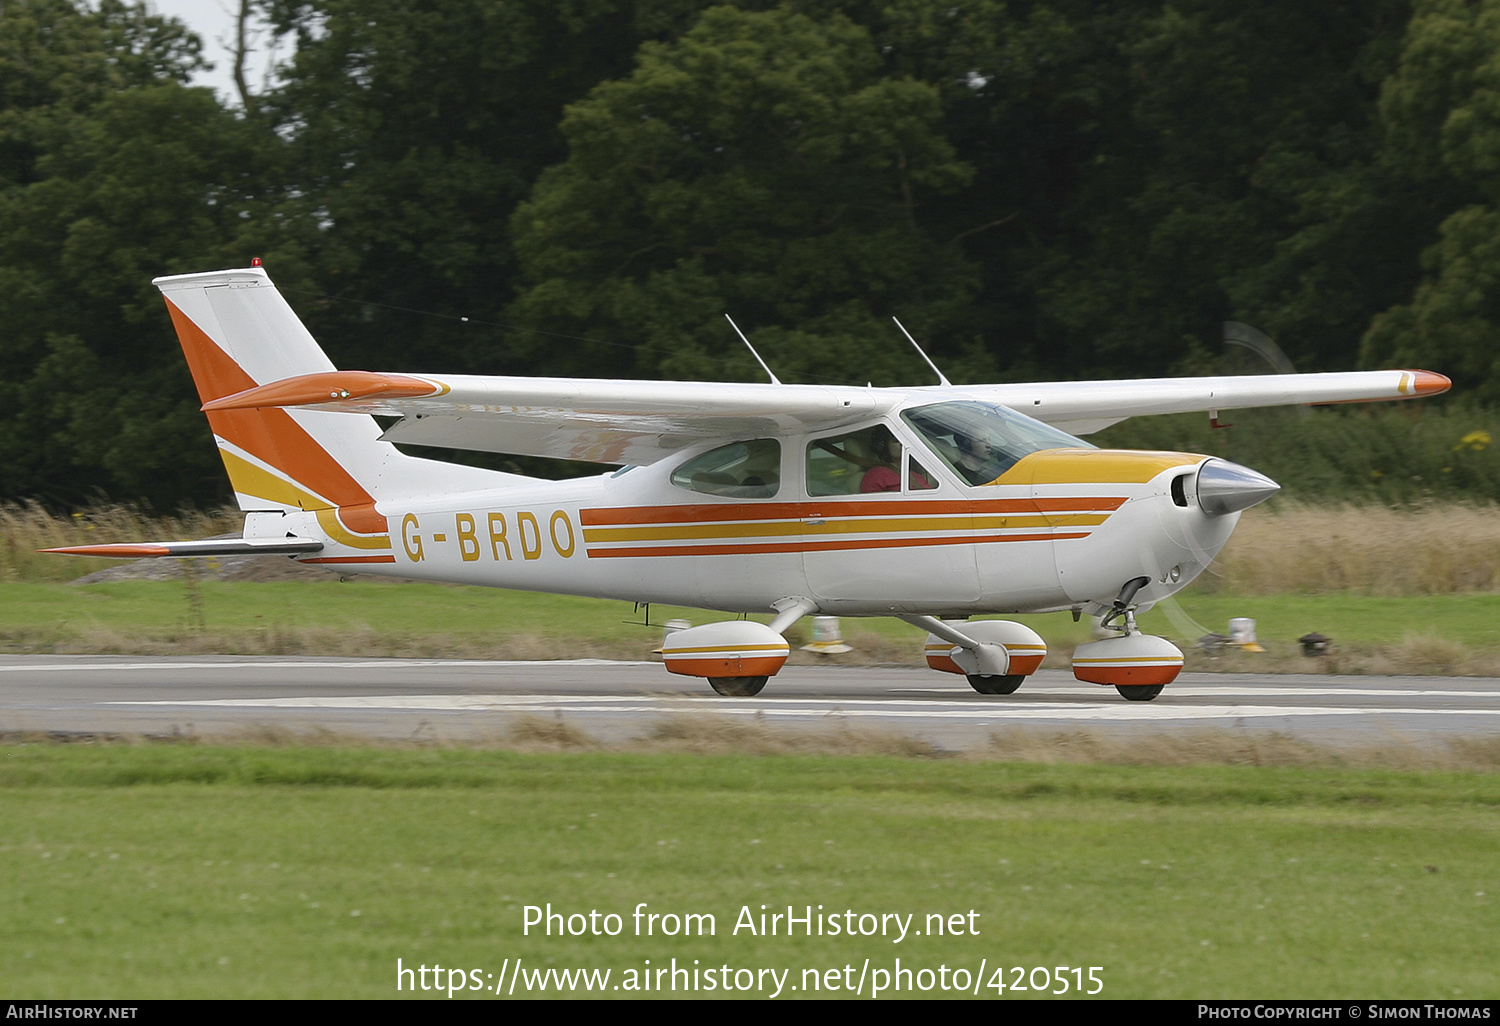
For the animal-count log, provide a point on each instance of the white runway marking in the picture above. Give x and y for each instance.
(1481, 689)
(1215, 691)
(318, 664)
(795, 707)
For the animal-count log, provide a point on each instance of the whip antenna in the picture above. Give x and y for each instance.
(941, 376)
(769, 373)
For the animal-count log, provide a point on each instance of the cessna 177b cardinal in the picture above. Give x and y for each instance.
(931, 504)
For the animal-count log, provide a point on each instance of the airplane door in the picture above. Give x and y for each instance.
(880, 528)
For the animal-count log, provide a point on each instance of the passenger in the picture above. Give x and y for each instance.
(884, 476)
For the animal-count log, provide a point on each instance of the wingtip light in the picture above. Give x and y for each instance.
(1429, 382)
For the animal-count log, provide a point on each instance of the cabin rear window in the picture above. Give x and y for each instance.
(739, 470)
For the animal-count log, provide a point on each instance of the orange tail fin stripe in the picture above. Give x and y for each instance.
(270, 435)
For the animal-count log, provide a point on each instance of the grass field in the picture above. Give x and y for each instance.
(1412, 590)
(1453, 633)
(182, 871)
(156, 870)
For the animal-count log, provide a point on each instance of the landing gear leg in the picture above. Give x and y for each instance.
(1123, 609)
(1137, 665)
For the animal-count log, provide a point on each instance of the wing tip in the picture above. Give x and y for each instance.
(1429, 383)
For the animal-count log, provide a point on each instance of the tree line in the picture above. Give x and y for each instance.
(1039, 190)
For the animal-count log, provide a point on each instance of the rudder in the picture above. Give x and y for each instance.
(237, 332)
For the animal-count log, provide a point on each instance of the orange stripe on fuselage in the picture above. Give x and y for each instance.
(819, 546)
(838, 507)
(363, 519)
(840, 525)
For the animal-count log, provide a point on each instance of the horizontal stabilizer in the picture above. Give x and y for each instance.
(212, 547)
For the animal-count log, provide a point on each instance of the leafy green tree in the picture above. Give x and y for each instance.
(114, 172)
(1138, 173)
(415, 130)
(759, 166)
(1443, 121)
(1219, 166)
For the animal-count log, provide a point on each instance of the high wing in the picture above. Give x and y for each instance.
(640, 422)
(594, 420)
(1083, 407)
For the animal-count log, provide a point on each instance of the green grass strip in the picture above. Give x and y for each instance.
(376, 618)
(185, 871)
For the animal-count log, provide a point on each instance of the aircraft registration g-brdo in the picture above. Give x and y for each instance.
(932, 504)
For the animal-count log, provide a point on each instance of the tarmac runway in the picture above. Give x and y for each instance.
(614, 701)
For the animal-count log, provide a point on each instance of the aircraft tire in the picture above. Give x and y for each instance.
(738, 687)
(1139, 692)
(994, 683)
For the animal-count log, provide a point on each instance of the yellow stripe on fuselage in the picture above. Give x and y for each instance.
(862, 525)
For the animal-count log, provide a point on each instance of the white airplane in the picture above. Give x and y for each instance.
(931, 504)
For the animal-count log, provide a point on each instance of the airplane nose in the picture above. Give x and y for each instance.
(1225, 487)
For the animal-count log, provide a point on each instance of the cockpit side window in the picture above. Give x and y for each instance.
(739, 470)
(859, 462)
(980, 441)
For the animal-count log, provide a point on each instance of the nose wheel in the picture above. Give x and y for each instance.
(1136, 665)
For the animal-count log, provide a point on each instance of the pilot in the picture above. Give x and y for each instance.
(977, 460)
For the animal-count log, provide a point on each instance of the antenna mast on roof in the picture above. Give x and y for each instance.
(769, 373)
(941, 376)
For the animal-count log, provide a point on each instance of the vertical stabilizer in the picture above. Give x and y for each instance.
(238, 332)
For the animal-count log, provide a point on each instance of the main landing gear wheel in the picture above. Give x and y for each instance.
(1139, 692)
(742, 687)
(996, 684)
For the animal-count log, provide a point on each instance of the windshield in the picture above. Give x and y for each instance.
(981, 441)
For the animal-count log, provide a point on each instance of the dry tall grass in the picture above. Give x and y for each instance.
(1432, 550)
(26, 528)
(709, 734)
